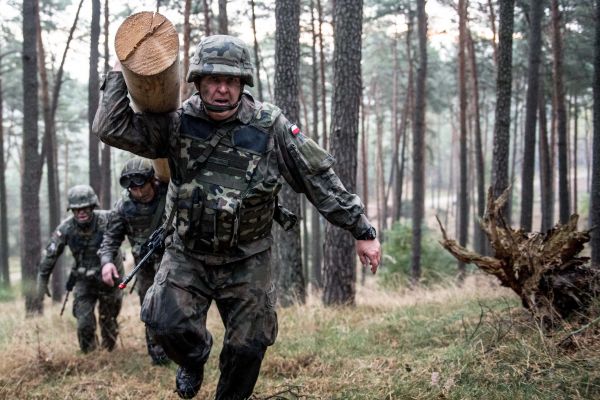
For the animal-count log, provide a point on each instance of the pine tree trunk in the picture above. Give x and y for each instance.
(206, 8)
(95, 176)
(186, 89)
(316, 244)
(533, 78)
(339, 254)
(575, 140)
(564, 207)
(223, 22)
(493, 28)
(595, 189)
(4, 270)
(105, 191)
(257, 61)
(322, 71)
(501, 144)
(31, 163)
(49, 153)
(480, 240)
(546, 174)
(287, 61)
(463, 196)
(419, 130)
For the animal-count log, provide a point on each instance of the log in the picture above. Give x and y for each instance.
(147, 46)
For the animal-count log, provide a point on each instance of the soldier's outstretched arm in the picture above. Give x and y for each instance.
(308, 169)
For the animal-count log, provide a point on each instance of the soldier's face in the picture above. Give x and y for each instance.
(82, 215)
(144, 193)
(220, 90)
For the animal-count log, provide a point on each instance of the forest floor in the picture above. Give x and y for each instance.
(469, 342)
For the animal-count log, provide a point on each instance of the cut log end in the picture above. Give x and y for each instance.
(146, 43)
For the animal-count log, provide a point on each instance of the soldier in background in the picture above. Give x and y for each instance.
(136, 215)
(83, 232)
(228, 154)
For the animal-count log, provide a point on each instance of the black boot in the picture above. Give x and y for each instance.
(188, 382)
(158, 356)
(156, 352)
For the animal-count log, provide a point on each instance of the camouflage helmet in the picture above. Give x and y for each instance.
(81, 196)
(136, 166)
(221, 55)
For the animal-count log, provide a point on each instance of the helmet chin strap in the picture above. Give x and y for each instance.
(219, 108)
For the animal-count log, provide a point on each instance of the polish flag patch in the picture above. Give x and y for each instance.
(295, 130)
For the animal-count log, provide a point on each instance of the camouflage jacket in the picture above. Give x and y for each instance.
(83, 242)
(132, 219)
(228, 193)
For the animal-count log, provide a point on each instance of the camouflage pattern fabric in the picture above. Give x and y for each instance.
(81, 196)
(88, 293)
(134, 220)
(176, 305)
(278, 151)
(221, 55)
(84, 242)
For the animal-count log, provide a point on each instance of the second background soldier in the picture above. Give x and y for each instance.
(136, 215)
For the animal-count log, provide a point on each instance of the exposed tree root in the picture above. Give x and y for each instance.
(544, 269)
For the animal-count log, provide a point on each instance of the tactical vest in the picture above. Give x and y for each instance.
(84, 245)
(219, 204)
(139, 218)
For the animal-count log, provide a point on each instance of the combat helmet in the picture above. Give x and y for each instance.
(221, 55)
(137, 170)
(81, 196)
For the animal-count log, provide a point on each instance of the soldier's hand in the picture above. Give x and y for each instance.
(109, 271)
(369, 252)
(42, 289)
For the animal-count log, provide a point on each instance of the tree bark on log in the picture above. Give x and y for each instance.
(147, 46)
(544, 269)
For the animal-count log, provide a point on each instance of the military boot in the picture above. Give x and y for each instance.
(155, 350)
(157, 354)
(188, 382)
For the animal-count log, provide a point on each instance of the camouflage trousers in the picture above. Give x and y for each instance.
(176, 306)
(87, 294)
(144, 280)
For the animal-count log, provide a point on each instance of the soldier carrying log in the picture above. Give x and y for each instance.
(229, 155)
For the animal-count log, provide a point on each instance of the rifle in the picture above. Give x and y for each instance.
(154, 243)
(70, 285)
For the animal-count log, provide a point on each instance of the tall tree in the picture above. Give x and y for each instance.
(595, 193)
(187, 30)
(316, 244)
(479, 237)
(501, 145)
(93, 95)
(339, 258)
(206, 8)
(287, 62)
(463, 195)
(546, 172)
(4, 270)
(223, 23)
(105, 189)
(30, 161)
(49, 153)
(322, 62)
(257, 60)
(419, 129)
(564, 207)
(533, 79)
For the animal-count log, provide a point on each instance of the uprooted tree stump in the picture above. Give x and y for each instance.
(544, 269)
